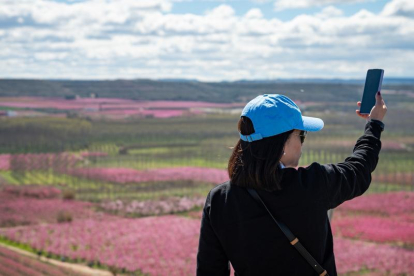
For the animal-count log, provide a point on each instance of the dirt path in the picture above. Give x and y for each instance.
(82, 269)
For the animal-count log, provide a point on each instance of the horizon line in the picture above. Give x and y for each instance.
(206, 81)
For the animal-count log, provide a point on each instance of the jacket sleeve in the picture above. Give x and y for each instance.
(351, 178)
(211, 258)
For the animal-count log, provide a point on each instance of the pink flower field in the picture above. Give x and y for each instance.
(116, 108)
(164, 245)
(105, 103)
(168, 244)
(140, 113)
(4, 162)
(352, 256)
(368, 235)
(378, 229)
(384, 218)
(26, 210)
(126, 175)
(394, 203)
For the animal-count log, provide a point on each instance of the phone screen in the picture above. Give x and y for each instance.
(373, 84)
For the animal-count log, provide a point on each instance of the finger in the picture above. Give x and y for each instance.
(359, 112)
(361, 115)
(378, 98)
(359, 103)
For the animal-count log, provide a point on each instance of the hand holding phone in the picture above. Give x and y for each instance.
(372, 105)
(377, 112)
(373, 83)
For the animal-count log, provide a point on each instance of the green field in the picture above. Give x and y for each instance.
(180, 142)
(198, 141)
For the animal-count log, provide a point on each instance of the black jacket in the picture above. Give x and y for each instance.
(236, 228)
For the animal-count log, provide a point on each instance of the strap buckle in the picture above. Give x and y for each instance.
(294, 241)
(251, 137)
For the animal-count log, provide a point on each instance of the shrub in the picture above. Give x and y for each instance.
(64, 216)
(123, 150)
(113, 269)
(68, 194)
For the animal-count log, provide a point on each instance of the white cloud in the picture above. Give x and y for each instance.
(328, 12)
(221, 11)
(254, 13)
(50, 56)
(101, 39)
(93, 11)
(399, 8)
(301, 4)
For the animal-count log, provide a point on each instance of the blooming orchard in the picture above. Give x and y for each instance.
(373, 232)
(126, 175)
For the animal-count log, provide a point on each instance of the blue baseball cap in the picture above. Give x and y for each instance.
(272, 114)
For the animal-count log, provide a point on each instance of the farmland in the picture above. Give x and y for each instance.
(118, 184)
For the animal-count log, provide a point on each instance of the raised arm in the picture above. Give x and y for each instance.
(352, 177)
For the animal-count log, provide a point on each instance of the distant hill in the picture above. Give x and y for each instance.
(343, 81)
(191, 90)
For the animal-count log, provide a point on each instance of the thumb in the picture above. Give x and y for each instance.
(378, 98)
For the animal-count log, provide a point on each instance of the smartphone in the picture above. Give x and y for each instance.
(373, 84)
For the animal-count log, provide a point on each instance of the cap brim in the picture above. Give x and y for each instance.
(311, 124)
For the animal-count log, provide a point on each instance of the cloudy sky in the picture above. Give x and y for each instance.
(205, 39)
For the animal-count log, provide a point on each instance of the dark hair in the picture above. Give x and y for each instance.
(257, 164)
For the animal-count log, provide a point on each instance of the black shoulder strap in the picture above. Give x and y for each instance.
(292, 239)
